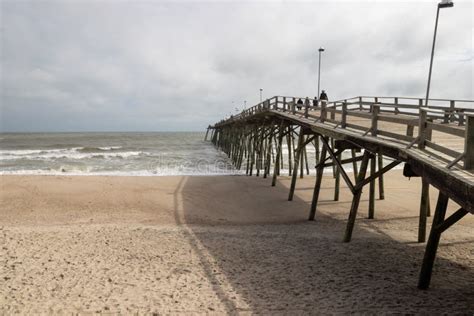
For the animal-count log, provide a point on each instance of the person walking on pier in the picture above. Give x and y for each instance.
(323, 96)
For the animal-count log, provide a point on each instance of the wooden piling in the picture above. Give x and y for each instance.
(433, 242)
(354, 164)
(381, 185)
(337, 182)
(288, 140)
(356, 198)
(269, 149)
(278, 154)
(306, 160)
(302, 160)
(424, 205)
(372, 189)
(297, 161)
(317, 186)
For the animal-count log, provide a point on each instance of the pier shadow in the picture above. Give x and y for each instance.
(261, 255)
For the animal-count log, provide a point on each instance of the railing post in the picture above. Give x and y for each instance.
(306, 107)
(293, 110)
(344, 114)
(469, 143)
(284, 104)
(375, 114)
(376, 100)
(452, 105)
(275, 106)
(323, 111)
(396, 107)
(360, 103)
(448, 113)
(422, 128)
(420, 102)
(461, 117)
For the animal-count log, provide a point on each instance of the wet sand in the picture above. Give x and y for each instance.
(226, 244)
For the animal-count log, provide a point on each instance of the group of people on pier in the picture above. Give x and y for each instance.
(322, 97)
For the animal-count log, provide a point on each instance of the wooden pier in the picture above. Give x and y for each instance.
(434, 142)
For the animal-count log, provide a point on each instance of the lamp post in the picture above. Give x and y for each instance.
(245, 104)
(442, 4)
(320, 50)
(261, 98)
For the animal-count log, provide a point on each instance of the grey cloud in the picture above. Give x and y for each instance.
(150, 65)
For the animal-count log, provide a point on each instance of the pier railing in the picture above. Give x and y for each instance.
(367, 114)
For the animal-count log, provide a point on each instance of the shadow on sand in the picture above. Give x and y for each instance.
(285, 264)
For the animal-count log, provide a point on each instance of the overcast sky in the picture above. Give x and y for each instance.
(170, 66)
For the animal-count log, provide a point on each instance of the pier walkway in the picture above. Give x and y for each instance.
(435, 142)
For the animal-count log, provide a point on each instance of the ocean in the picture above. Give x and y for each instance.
(122, 154)
(131, 154)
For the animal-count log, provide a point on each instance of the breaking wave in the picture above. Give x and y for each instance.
(69, 153)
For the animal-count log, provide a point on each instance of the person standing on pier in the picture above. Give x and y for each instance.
(323, 96)
(315, 101)
(299, 104)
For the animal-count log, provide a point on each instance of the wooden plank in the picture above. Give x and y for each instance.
(442, 149)
(358, 114)
(396, 136)
(398, 120)
(451, 220)
(355, 126)
(380, 172)
(452, 130)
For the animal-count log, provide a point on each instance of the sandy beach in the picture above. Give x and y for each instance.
(220, 244)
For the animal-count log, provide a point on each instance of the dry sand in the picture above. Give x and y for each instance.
(227, 244)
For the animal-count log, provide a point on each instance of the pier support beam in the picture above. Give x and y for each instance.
(299, 154)
(278, 155)
(295, 168)
(372, 189)
(381, 188)
(361, 182)
(356, 198)
(424, 207)
(317, 186)
(438, 227)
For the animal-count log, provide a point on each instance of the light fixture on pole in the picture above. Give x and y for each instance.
(442, 4)
(261, 97)
(320, 50)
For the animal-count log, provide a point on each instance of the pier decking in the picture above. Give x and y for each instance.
(436, 143)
